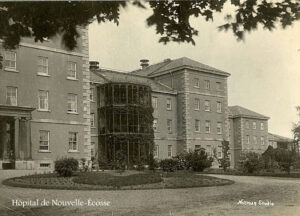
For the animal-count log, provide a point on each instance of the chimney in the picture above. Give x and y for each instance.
(94, 65)
(144, 63)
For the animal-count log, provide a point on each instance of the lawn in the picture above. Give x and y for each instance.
(111, 180)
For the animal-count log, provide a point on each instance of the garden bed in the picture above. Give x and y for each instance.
(116, 181)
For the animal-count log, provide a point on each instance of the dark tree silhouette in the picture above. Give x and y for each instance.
(171, 19)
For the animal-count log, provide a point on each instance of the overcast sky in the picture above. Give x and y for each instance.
(265, 68)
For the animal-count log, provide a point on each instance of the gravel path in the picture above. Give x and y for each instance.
(222, 200)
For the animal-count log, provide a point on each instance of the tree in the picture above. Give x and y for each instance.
(224, 161)
(171, 19)
(296, 132)
(250, 162)
(285, 159)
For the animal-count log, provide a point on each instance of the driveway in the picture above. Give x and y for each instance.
(279, 196)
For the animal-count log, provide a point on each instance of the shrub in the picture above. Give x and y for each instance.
(285, 159)
(168, 165)
(66, 166)
(251, 162)
(153, 164)
(198, 160)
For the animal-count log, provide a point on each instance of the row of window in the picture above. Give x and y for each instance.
(197, 126)
(254, 125)
(169, 153)
(43, 99)
(254, 138)
(168, 103)
(10, 63)
(207, 86)
(45, 141)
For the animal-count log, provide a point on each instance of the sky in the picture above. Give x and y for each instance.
(264, 68)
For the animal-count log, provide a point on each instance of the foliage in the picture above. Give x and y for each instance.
(268, 158)
(120, 160)
(168, 165)
(285, 159)
(170, 18)
(84, 167)
(198, 160)
(224, 161)
(182, 161)
(250, 162)
(66, 166)
(153, 163)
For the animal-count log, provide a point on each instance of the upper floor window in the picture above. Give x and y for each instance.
(10, 60)
(262, 126)
(155, 121)
(197, 125)
(71, 73)
(156, 151)
(207, 126)
(255, 139)
(73, 141)
(169, 104)
(218, 86)
(42, 65)
(43, 100)
(219, 107)
(254, 125)
(44, 140)
(197, 82)
(247, 124)
(72, 103)
(219, 128)
(169, 125)
(262, 140)
(92, 120)
(92, 94)
(207, 84)
(12, 95)
(207, 105)
(154, 102)
(197, 104)
(170, 150)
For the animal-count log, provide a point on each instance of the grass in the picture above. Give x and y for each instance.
(113, 181)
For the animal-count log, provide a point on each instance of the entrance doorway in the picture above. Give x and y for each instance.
(7, 142)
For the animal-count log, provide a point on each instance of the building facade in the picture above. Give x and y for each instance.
(44, 103)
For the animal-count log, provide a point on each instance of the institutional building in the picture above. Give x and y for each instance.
(53, 105)
(44, 103)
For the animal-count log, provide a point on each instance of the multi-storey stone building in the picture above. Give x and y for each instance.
(44, 103)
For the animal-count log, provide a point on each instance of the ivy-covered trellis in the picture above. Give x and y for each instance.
(125, 123)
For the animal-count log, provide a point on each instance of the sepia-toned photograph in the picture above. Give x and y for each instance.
(150, 108)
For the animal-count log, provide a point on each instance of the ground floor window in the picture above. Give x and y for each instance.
(44, 140)
(73, 141)
(156, 151)
(170, 150)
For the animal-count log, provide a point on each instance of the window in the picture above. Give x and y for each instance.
(169, 104)
(197, 82)
(197, 104)
(254, 125)
(255, 139)
(197, 147)
(42, 65)
(207, 105)
(219, 107)
(197, 125)
(92, 94)
(44, 165)
(71, 73)
(73, 138)
(207, 84)
(72, 103)
(248, 139)
(43, 100)
(10, 61)
(11, 95)
(262, 140)
(169, 125)
(92, 149)
(154, 102)
(262, 126)
(247, 124)
(218, 86)
(44, 140)
(207, 126)
(209, 150)
(219, 154)
(169, 150)
(219, 127)
(92, 120)
(156, 151)
(155, 124)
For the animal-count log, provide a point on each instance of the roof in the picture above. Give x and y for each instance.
(121, 77)
(238, 111)
(277, 138)
(184, 62)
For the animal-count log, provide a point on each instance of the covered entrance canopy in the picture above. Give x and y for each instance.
(15, 143)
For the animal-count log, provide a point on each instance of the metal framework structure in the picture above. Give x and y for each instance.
(125, 123)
